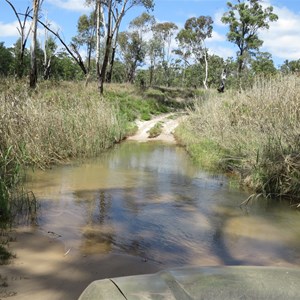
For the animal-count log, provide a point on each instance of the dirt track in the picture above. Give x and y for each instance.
(169, 125)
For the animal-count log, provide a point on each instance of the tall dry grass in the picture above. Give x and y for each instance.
(257, 134)
(54, 123)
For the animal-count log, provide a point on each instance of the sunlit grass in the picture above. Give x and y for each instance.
(255, 134)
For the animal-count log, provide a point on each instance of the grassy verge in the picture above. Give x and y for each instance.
(254, 133)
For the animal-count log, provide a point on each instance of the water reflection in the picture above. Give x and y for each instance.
(150, 201)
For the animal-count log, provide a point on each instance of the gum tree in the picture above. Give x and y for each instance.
(164, 32)
(245, 19)
(133, 45)
(112, 13)
(192, 38)
(86, 32)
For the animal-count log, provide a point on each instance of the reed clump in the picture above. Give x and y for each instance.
(254, 133)
(54, 123)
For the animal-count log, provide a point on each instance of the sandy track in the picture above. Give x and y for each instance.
(169, 125)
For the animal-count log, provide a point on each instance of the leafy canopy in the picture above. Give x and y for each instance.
(245, 18)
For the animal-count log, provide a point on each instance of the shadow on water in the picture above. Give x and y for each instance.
(148, 200)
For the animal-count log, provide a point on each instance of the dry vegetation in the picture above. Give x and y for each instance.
(254, 133)
(60, 121)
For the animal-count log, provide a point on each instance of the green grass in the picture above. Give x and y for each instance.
(132, 105)
(205, 153)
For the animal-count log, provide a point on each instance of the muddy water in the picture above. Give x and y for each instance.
(150, 201)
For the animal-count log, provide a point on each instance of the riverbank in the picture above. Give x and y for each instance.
(253, 134)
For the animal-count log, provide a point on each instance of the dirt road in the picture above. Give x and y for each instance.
(169, 121)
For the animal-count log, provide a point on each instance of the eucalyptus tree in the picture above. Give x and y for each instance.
(138, 27)
(164, 32)
(263, 64)
(154, 51)
(142, 23)
(6, 60)
(86, 35)
(290, 67)
(133, 50)
(245, 19)
(49, 51)
(133, 44)
(112, 13)
(192, 37)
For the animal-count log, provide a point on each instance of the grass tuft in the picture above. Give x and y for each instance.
(156, 130)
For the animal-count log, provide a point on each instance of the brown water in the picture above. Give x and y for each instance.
(150, 201)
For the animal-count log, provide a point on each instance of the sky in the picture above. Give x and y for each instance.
(282, 39)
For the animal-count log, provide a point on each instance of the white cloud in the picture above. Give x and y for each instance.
(282, 38)
(221, 51)
(216, 37)
(217, 18)
(75, 5)
(9, 29)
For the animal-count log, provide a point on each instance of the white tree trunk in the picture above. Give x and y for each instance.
(98, 14)
(206, 70)
(33, 65)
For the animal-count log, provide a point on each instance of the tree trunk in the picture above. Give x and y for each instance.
(113, 54)
(151, 75)
(206, 70)
(108, 44)
(47, 69)
(105, 63)
(98, 14)
(109, 73)
(33, 64)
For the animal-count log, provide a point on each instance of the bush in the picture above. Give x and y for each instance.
(156, 130)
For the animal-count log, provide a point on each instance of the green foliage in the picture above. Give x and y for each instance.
(156, 130)
(86, 35)
(6, 60)
(245, 19)
(290, 67)
(133, 49)
(133, 107)
(263, 64)
(195, 31)
(64, 68)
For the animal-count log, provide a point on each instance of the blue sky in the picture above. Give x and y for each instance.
(282, 40)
